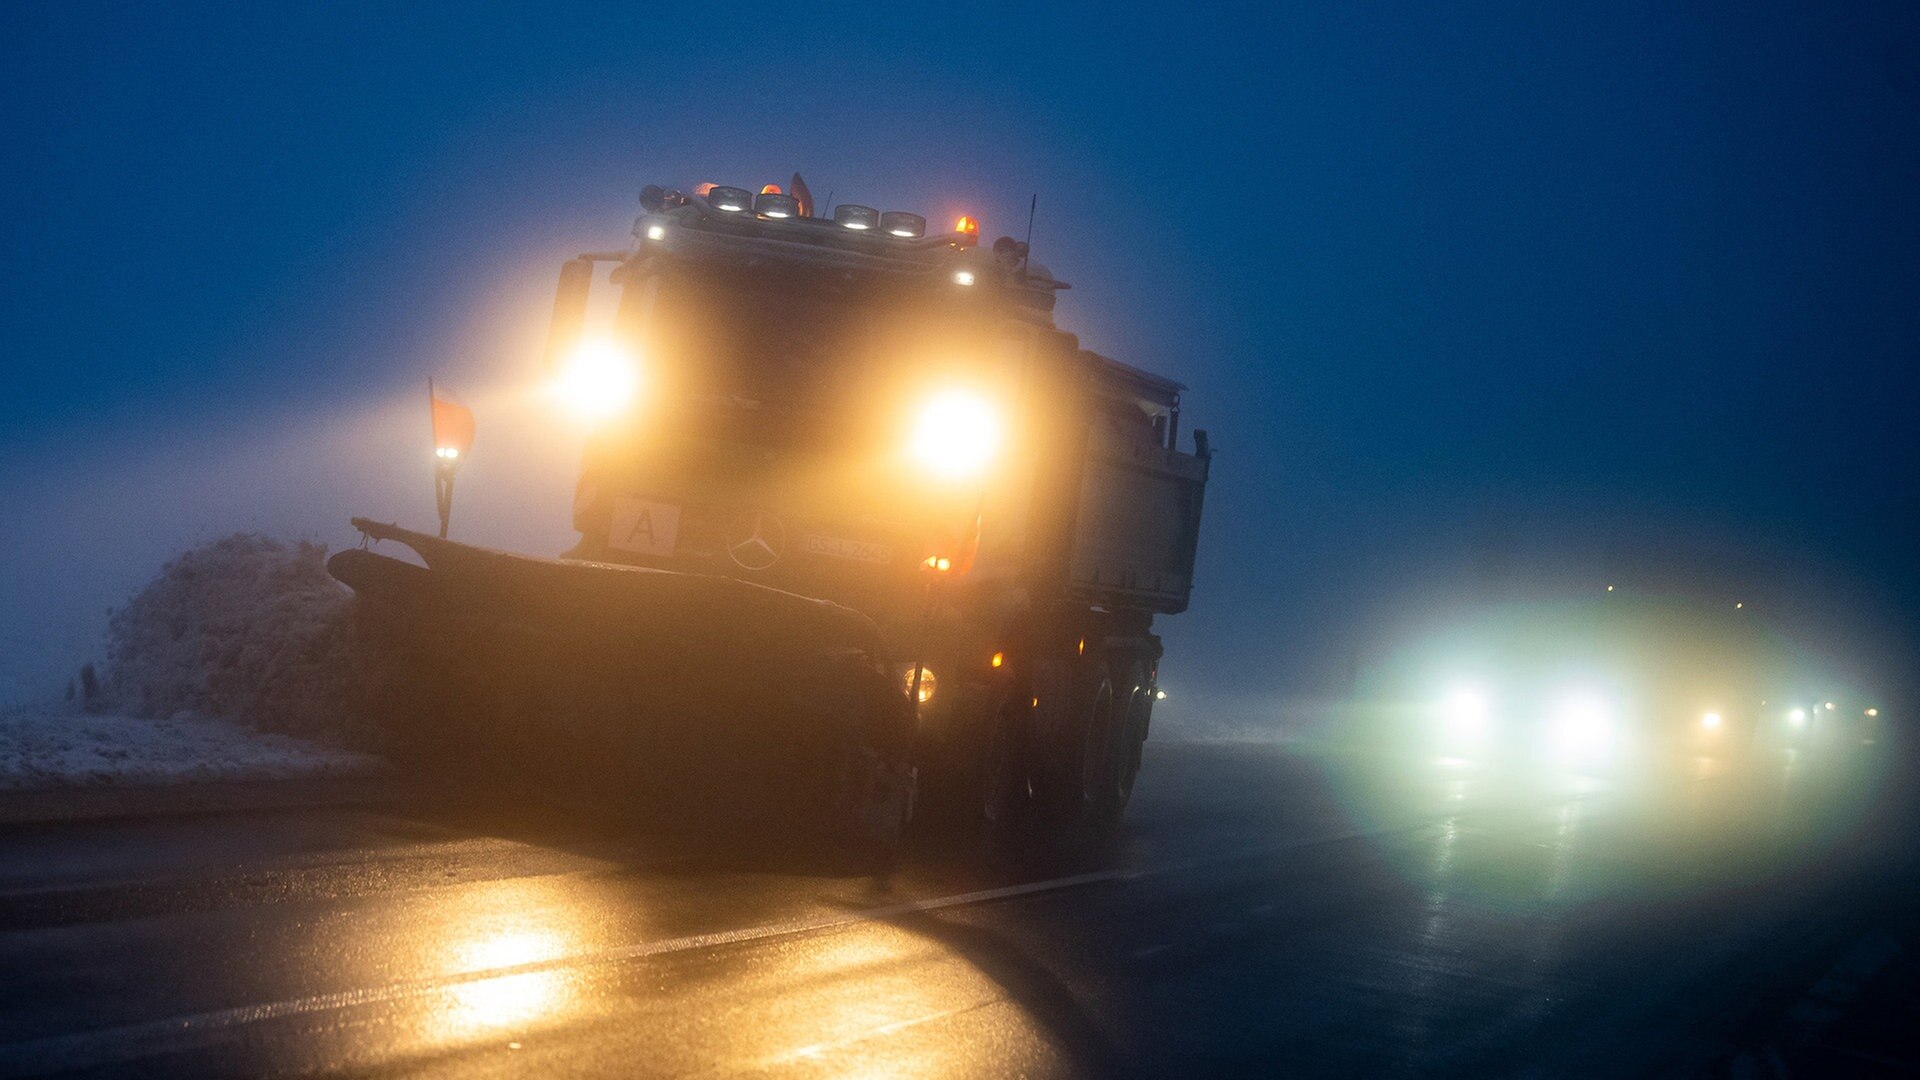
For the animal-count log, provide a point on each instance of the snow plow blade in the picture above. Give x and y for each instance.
(463, 581)
(658, 683)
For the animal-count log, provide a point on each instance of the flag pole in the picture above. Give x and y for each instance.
(442, 466)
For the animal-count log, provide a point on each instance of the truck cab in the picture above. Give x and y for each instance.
(845, 407)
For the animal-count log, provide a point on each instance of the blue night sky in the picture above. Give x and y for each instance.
(1622, 291)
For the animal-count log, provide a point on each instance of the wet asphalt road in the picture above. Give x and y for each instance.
(1268, 910)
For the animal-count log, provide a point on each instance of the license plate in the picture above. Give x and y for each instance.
(841, 548)
(646, 528)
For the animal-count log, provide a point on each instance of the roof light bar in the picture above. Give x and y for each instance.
(858, 218)
(775, 205)
(731, 199)
(902, 224)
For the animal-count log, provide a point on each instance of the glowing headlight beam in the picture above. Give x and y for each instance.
(1465, 713)
(1583, 727)
(955, 435)
(598, 380)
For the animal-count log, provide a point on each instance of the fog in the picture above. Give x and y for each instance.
(93, 517)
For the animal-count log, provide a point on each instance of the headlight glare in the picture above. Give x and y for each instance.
(1583, 727)
(1465, 713)
(955, 435)
(598, 380)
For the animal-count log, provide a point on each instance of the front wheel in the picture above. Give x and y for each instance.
(1006, 771)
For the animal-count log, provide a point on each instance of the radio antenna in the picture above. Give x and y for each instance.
(1026, 254)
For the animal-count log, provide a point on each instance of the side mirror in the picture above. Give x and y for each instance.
(569, 309)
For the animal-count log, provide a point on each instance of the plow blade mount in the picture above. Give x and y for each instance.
(662, 684)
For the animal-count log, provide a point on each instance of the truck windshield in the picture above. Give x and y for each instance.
(821, 349)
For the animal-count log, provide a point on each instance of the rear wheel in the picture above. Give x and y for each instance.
(1135, 711)
(1075, 782)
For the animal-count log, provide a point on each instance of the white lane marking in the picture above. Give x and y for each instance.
(818, 1051)
(107, 1046)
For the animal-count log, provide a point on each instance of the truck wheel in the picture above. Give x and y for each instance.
(1006, 780)
(1135, 713)
(1077, 781)
(874, 790)
(873, 801)
(1098, 741)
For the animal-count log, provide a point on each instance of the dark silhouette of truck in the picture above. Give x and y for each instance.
(856, 519)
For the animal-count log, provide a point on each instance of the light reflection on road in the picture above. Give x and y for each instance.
(520, 924)
(507, 1000)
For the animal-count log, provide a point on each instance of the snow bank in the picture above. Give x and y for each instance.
(250, 629)
(54, 747)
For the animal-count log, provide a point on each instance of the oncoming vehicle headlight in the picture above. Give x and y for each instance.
(955, 435)
(1464, 713)
(598, 380)
(1583, 727)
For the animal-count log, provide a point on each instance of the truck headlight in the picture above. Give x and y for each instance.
(927, 683)
(955, 435)
(598, 380)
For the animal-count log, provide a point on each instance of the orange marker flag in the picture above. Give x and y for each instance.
(452, 424)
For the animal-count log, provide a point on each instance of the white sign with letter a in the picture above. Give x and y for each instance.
(649, 528)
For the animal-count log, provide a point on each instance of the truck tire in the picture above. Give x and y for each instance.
(1135, 695)
(874, 786)
(1006, 769)
(1076, 780)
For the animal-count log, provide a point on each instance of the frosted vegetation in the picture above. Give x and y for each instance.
(247, 628)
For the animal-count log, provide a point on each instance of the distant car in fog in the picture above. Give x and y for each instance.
(1591, 683)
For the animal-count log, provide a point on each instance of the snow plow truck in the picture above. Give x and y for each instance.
(860, 530)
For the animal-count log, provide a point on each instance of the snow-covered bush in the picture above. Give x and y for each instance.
(250, 628)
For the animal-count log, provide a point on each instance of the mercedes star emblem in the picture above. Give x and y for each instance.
(759, 544)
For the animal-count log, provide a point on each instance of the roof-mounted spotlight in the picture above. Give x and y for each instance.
(772, 204)
(731, 199)
(858, 218)
(902, 224)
